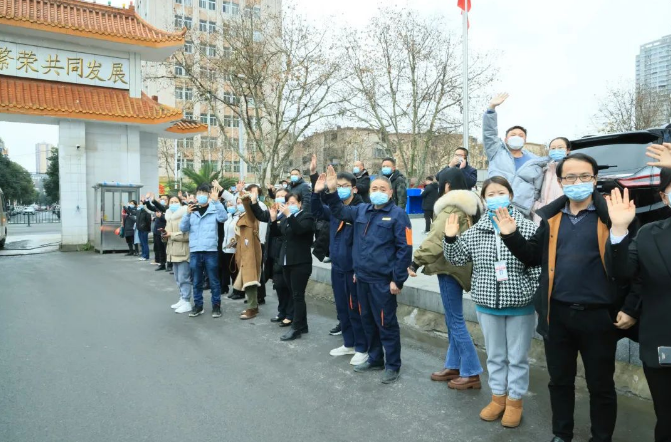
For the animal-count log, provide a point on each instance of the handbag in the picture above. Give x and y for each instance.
(119, 231)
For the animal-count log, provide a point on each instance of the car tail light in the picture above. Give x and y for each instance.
(646, 177)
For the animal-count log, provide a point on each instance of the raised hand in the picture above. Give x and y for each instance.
(313, 164)
(179, 194)
(254, 194)
(240, 186)
(321, 183)
(331, 178)
(452, 226)
(661, 153)
(498, 100)
(273, 212)
(284, 209)
(621, 211)
(506, 223)
(214, 194)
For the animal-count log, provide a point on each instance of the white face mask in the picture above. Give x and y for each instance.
(516, 142)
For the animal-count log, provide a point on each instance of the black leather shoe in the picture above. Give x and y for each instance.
(161, 267)
(285, 324)
(262, 302)
(237, 296)
(277, 319)
(291, 335)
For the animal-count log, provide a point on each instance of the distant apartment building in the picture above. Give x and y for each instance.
(42, 152)
(653, 71)
(202, 18)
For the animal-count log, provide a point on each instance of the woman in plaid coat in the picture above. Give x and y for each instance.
(502, 289)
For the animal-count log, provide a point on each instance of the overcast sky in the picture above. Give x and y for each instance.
(555, 57)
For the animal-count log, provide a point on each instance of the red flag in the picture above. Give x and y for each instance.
(461, 4)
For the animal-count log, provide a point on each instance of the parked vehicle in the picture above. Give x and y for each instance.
(3, 220)
(622, 164)
(28, 210)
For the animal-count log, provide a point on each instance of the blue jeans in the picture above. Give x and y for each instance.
(461, 354)
(144, 242)
(202, 262)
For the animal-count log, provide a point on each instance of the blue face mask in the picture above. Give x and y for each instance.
(294, 209)
(202, 199)
(498, 202)
(356, 170)
(132, 206)
(175, 207)
(557, 154)
(579, 192)
(344, 192)
(140, 207)
(163, 203)
(294, 178)
(379, 198)
(280, 200)
(241, 208)
(230, 210)
(386, 171)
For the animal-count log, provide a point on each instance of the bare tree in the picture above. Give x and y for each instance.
(626, 109)
(278, 73)
(406, 82)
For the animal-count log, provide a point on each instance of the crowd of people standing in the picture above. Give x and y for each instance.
(539, 248)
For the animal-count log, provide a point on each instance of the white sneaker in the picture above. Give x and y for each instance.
(177, 304)
(359, 358)
(342, 351)
(184, 308)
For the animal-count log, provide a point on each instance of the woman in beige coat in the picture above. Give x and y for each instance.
(177, 251)
(248, 255)
(462, 367)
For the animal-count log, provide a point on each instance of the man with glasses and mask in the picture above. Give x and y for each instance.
(580, 308)
(508, 158)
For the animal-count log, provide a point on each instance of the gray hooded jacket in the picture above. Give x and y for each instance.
(527, 181)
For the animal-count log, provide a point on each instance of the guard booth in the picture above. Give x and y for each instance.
(109, 198)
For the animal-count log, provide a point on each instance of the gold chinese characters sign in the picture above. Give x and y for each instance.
(27, 61)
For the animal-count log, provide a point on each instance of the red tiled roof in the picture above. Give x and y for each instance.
(64, 100)
(187, 127)
(80, 18)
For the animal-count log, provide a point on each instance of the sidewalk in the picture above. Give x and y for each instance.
(38, 238)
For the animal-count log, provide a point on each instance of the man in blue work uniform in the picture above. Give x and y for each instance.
(382, 254)
(341, 235)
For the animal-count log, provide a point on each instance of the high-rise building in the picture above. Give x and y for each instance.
(42, 152)
(653, 65)
(203, 17)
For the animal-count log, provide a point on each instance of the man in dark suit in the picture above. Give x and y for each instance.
(429, 198)
(460, 160)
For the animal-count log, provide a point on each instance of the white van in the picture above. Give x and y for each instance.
(4, 219)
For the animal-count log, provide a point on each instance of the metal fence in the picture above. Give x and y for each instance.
(34, 218)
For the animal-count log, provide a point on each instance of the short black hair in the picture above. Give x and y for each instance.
(203, 188)
(281, 189)
(257, 187)
(134, 202)
(297, 170)
(296, 195)
(393, 161)
(564, 139)
(429, 178)
(284, 181)
(664, 179)
(496, 180)
(462, 148)
(517, 127)
(347, 176)
(578, 157)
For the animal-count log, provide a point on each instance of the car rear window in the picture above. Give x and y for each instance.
(617, 155)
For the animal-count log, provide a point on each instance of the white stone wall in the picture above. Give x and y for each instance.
(73, 182)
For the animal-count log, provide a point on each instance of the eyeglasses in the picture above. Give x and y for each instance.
(585, 178)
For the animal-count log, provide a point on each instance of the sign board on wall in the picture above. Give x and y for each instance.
(43, 63)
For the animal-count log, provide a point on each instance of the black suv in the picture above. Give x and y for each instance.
(622, 163)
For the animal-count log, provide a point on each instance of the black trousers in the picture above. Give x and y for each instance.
(659, 380)
(261, 291)
(285, 308)
(228, 271)
(129, 241)
(428, 218)
(592, 334)
(296, 277)
(159, 250)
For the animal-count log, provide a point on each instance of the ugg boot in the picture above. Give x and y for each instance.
(513, 414)
(495, 409)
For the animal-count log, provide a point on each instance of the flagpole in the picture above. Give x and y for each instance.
(465, 79)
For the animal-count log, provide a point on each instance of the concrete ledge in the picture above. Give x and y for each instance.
(420, 308)
(75, 247)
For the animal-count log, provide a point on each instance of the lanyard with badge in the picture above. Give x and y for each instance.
(500, 266)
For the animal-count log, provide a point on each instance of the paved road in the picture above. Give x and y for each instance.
(90, 351)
